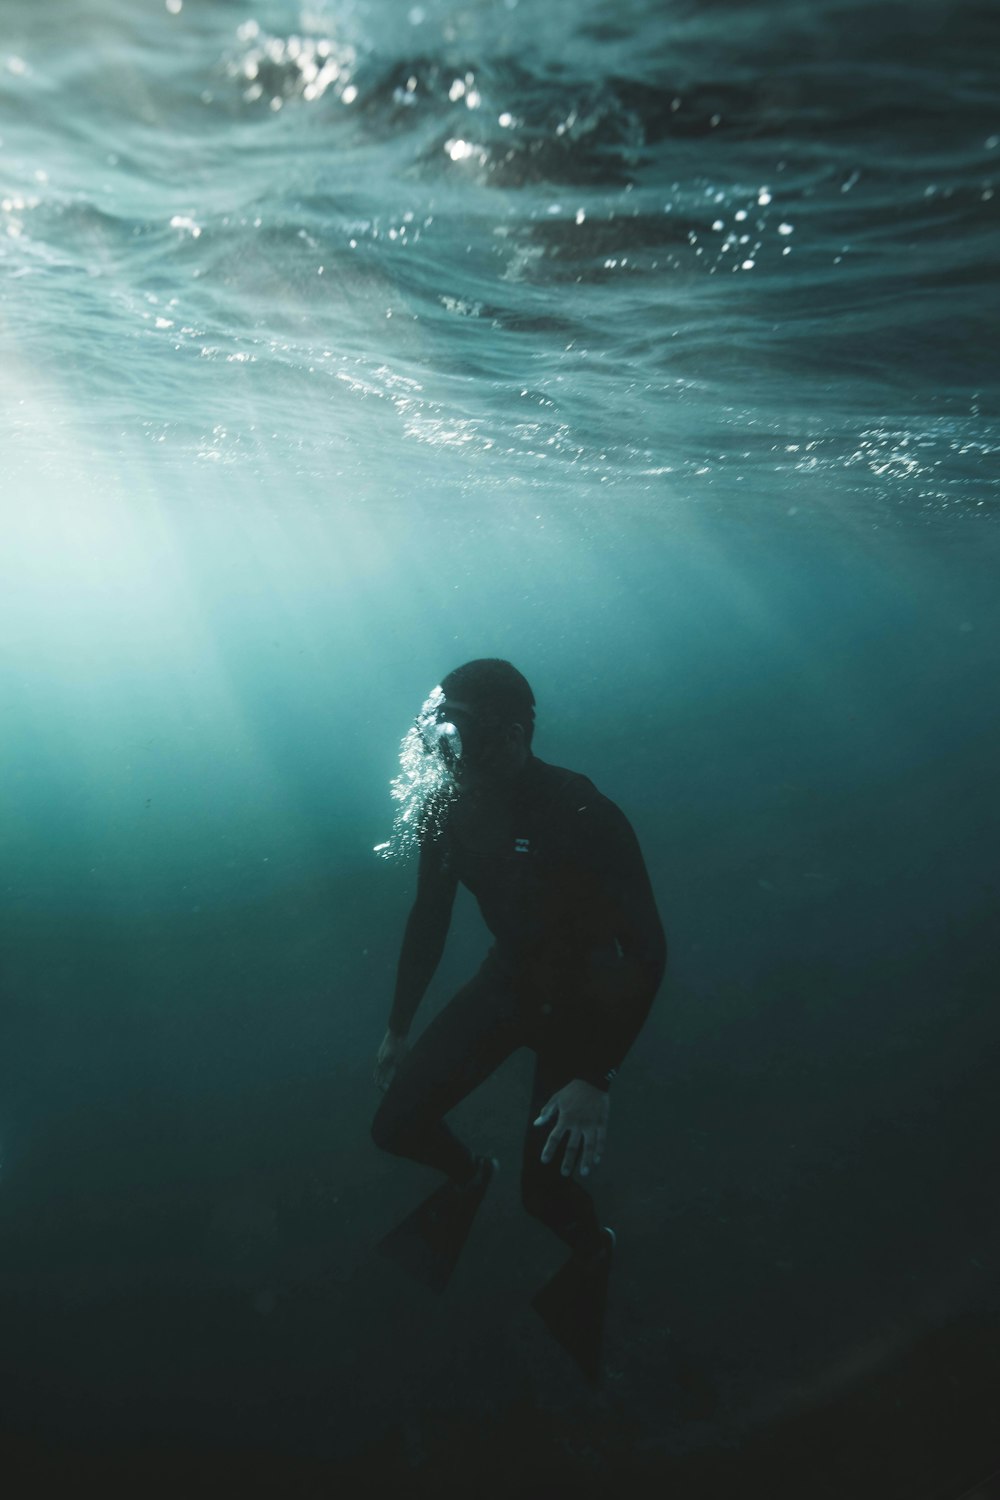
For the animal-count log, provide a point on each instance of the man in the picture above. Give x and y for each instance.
(578, 956)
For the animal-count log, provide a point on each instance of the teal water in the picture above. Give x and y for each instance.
(655, 350)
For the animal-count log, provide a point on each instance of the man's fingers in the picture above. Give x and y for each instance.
(555, 1135)
(383, 1076)
(569, 1156)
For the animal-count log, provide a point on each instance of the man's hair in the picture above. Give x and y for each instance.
(496, 688)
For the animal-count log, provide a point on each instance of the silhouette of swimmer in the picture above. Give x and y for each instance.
(578, 955)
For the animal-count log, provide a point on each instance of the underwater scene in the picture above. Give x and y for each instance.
(650, 347)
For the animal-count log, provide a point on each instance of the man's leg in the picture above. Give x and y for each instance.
(561, 1203)
(572, 1304)
(467, 1040)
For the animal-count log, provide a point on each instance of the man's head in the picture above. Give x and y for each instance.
(472, 733)
(493, 709)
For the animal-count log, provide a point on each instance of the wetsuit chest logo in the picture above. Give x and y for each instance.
(522, 846)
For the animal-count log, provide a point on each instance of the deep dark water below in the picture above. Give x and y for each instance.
(802, 1300)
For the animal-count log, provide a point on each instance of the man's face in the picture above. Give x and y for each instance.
(475, 739)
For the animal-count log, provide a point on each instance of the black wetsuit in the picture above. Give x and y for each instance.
(579, 953)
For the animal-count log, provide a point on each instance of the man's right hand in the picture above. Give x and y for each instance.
(391, 1053)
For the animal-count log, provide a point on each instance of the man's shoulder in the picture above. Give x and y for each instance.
(572, 792)
(559, 781)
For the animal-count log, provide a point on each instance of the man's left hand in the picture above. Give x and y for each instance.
(581, 1117)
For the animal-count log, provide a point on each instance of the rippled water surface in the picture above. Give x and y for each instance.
(668, 250)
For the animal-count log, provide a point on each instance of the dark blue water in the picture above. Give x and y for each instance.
(654, 348)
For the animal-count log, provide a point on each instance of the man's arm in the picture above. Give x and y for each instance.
(424, 937)
(623, 994)
(617, 999)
